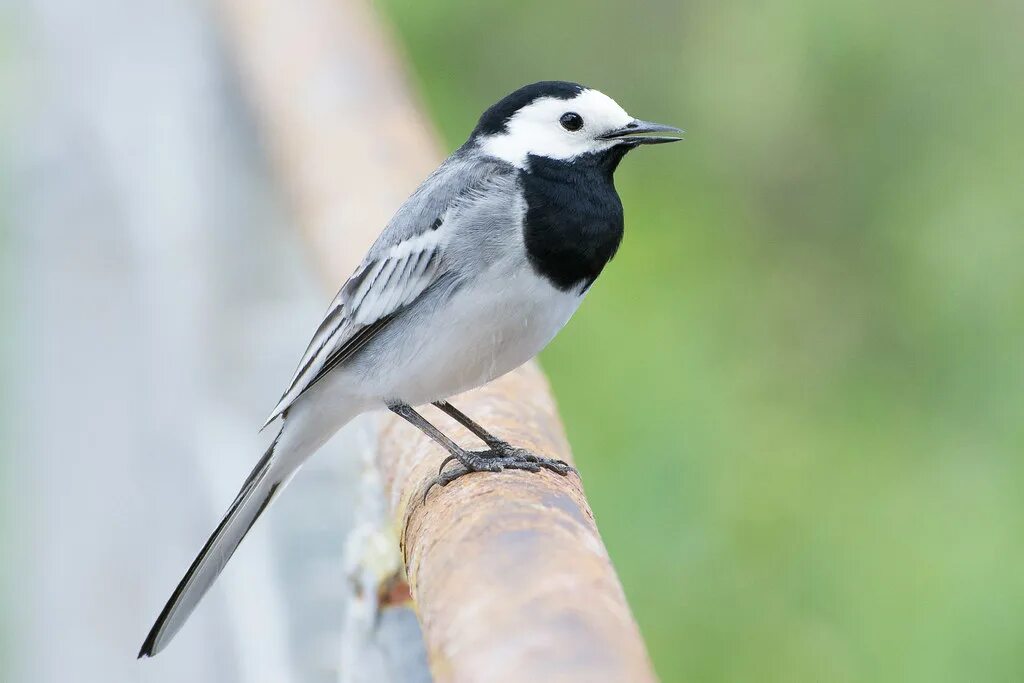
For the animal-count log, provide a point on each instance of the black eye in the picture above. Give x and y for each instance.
(571, 121)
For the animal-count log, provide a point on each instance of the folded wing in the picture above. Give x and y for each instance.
(412, 253)
(364, 306)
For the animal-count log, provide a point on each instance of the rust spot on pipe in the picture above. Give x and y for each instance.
(394, 592)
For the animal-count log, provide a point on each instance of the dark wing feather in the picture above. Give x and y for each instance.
(348, 349)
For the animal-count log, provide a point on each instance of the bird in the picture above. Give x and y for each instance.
(474, 275)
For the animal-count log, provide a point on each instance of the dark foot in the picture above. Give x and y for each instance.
(501, 456)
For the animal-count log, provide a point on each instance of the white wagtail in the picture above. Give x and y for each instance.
(475, 274)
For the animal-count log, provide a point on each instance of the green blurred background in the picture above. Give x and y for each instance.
(796, 394)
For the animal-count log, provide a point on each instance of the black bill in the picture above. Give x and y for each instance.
(638, 132)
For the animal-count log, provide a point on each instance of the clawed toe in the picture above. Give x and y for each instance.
(445, 462)
(559, 466)
(504, 457)
(443, 479)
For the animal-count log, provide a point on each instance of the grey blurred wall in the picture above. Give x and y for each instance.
(160, 300)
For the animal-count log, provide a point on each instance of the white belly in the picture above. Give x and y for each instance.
(480, 334)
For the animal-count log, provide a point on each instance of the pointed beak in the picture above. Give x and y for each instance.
(637, 132)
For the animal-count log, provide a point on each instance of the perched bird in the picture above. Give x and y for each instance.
(474, 275)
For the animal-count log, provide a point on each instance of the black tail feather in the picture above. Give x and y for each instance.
(252, 483)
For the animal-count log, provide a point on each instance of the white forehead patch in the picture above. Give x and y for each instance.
(535, 129)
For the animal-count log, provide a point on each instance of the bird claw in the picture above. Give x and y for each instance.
(445, 462)
(495, 459)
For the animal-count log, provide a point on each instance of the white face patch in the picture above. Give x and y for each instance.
(535, 129)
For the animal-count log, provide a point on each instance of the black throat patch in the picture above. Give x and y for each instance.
(573, 223)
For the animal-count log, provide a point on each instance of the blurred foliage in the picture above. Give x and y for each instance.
(796, 395)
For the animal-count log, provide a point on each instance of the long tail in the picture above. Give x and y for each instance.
(267, 479)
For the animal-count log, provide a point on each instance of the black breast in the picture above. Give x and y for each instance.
(573, 223)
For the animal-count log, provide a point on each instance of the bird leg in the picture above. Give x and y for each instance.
(498, 456)
(468, 422)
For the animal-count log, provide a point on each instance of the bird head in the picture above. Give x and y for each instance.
(563, 121)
